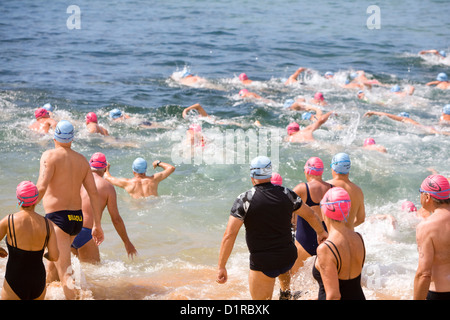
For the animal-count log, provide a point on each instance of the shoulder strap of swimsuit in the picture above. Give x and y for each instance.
(364, 247)
(12, 231)
(48, 233)
(336, 257)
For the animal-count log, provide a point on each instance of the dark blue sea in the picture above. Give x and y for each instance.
(130, 55)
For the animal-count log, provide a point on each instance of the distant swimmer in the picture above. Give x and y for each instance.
(300, 105)
(360, 77)
(141, 185)
(50, 108)
(276, 179)
(188, 79)
(441, 54)
(305, 134)
(93, 126)
(293, 78)
(28, 236)
(432, 281)
(319, 99)
(370, 144)
(328, 75)
(194, 136)
(62, 173)
(116, 115)
(398, 91)
(83, 245)
(445, 117)
(198, 110)
(266, 211)
(245, 94)
(405, 118)
(409, 206)
(244, 79)
(340, 165)
(43, 121)
(441, 81)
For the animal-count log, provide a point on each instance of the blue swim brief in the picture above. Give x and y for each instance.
(82, 238)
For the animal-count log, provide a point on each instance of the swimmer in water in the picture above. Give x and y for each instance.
(43, 121)
(441, 81)
(397, 90)
(370, 144)
(194, 136)
(405, 118)
(293, 78)
(117, 115)
(93, 126)
(300, 105)
(319, 99)
(441, 54)
(141, 185)
(244, 79)
(248, 95)
(306, 134)
(445, 117)
(198, 110)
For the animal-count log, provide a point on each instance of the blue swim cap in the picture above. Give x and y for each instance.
(353, 75)
(307, 116)
(341, 163)
(329, 74)
(288, 103)
(404, 114)
(442, 77)
(261, 168)
(139, 165)
(64, 132)
(115, 113)
(185, 74)
(396, 88)
(48, 107)
(443, 53)
(446, 109)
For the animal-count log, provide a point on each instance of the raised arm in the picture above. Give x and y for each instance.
(197, 107)
(118, 182)
(168, 170)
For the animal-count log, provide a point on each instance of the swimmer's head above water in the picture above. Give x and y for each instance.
(341, 163)
(64, 132)
(437, 186)
(91, 117)
(115, 113)
(261, 168)
(139, 165)
(27, 194)
(336, 204)
(314, 166)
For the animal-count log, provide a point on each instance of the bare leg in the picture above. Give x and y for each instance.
(261, 286)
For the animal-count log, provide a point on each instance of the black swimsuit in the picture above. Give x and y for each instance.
(305, 234)
(350, 289)
(25, 271)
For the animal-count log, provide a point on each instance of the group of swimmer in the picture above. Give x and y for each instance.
(75, 192)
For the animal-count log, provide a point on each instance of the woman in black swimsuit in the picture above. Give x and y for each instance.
(340, 258)
(27, 236)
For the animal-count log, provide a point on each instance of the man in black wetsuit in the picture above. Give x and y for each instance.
(266, 210)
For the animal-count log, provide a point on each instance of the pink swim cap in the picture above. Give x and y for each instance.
(293, 127)
(369, 141)
(314, 166)
(436, 186)
(319, 96)
(27, 193)
(336, 204)
(91, 117)
(98, 161)
(243, 77)
(276, 179)
(408, 206)
(195, 127)
(40, 112)
(242, 92)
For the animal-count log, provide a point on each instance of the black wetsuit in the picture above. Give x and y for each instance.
(266, 211)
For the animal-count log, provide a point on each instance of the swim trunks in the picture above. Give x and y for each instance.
(83, 237)
(69, 221)
(432, 295)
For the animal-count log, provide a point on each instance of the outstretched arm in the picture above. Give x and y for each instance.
(118, 182)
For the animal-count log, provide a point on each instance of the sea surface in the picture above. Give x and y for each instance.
(129, 55)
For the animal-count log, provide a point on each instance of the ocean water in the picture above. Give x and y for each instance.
(128, 55)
